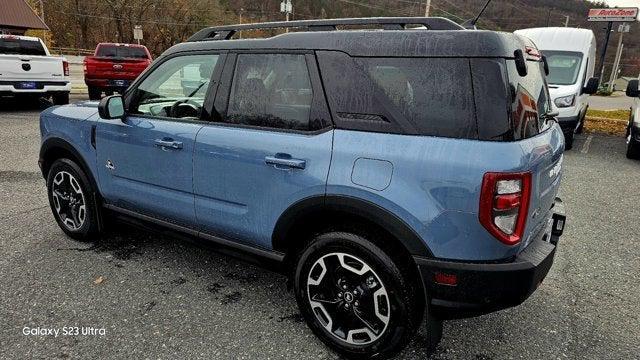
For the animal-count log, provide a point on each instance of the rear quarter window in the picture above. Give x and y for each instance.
(529, 99)
(420, 96)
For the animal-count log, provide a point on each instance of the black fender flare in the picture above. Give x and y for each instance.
(57, 143)
(354, 206)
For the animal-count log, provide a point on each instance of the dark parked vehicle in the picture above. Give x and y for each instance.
(398, 177)
(633, 129)
(113, 67)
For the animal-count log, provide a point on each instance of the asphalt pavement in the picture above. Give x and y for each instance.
(614, 102)
(148, 295)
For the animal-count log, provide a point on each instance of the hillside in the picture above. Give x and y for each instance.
(83, 23)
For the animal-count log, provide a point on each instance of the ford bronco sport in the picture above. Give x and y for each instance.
(399, 175)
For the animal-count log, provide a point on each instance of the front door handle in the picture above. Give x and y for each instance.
(288, 162)
(168, 144)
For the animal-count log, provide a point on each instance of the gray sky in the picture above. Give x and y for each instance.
(623, 3)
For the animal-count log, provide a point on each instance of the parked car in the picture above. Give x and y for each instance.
(28, 69)
(571, 57)
(113, 67)
(633, 129)
(420, 187)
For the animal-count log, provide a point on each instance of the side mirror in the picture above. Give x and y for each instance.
(632, 89)
(545, 65)
(111, 107)
(592, 86)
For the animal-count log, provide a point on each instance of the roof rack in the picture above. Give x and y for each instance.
(226, 32)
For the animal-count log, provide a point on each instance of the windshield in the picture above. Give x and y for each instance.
(564, 66)
(21, 47)
(121, 51)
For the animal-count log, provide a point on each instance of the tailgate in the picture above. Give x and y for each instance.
(27, 67)
(114, 68)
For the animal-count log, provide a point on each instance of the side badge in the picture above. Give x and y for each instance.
(110, 165)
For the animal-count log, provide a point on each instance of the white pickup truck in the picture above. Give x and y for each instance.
(27, 68)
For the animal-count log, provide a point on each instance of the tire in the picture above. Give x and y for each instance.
(568, 141)
(580, 127)
(346, 296)
(633, 148)
(60, 98)
(72, 200)
(94, 93)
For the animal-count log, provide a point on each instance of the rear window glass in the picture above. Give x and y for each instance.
(422, 96)
(21, 47)
(121, 51)
(529, 99)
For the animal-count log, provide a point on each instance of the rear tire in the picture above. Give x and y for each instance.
(60, 98)
(354, 297)
(72, 200)
(94, 93)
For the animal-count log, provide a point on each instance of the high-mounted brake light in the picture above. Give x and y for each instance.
(504, 205)
(65, 67)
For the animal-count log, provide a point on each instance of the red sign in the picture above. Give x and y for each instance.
(615, 14)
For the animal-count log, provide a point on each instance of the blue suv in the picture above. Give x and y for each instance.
(399, 170)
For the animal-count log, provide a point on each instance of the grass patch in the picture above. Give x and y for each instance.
(609, 114)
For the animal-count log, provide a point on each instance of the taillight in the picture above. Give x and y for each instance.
(504, 205)
(65, 67)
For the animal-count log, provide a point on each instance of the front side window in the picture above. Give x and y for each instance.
(564, 67)
(271, 90)
(176, 88)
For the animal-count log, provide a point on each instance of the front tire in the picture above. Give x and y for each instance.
(355, 297)
(568, 141)
(94, 93)
(72, 200)
(633, 148)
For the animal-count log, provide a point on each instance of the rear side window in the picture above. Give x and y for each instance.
(422, 96)
(121, 51)
(529, 99)
(21, 47)
(271, 90)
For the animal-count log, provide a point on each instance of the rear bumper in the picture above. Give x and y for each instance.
(41, 87)
(486, 287)
(108, 83)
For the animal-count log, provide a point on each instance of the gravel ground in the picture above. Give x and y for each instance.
(161, 297)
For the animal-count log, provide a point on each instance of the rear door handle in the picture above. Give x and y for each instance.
(285, 162)
(168, 144)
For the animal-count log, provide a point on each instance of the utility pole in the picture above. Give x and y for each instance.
(604, 50)
(566, 21)
(427, 8)
(240, 22)
(616, 62)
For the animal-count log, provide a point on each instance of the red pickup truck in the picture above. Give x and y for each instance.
(113, 67)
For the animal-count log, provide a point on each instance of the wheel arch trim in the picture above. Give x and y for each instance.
(52, 144)
(355, 206)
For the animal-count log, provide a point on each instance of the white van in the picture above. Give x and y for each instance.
(571, 56)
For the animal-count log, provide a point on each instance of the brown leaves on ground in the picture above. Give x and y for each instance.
(612, 122)
(99, 280)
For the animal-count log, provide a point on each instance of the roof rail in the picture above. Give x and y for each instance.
(226, 32)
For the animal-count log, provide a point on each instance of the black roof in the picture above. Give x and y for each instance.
(392, 41)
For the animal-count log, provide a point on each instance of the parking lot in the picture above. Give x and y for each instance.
(160, 297)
